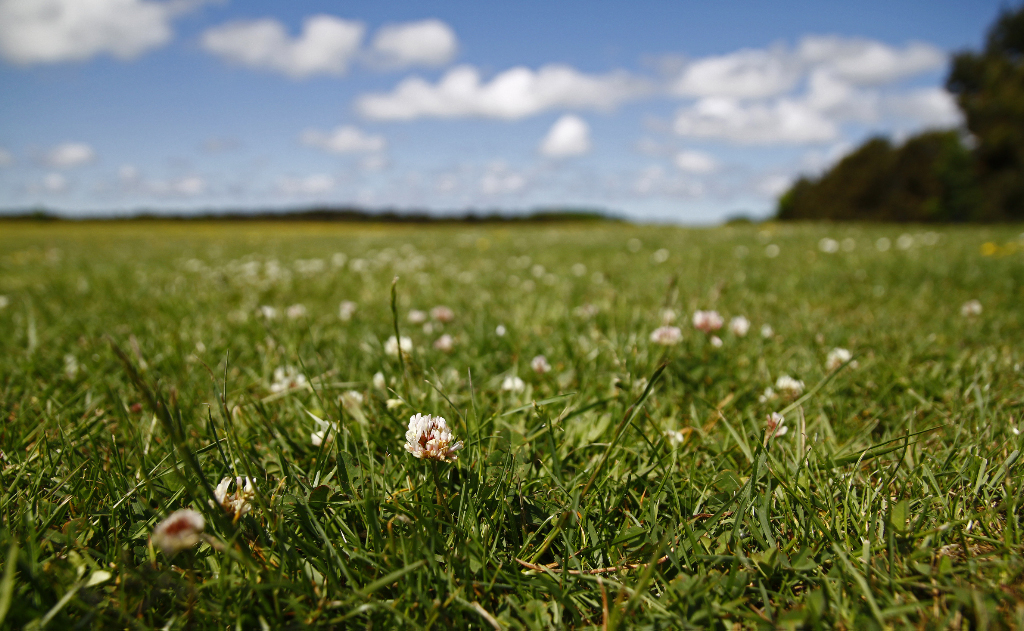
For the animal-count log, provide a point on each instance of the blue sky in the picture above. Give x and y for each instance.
(667, 111)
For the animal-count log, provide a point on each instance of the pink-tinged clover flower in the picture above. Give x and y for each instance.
(970, 309)
(442, 313)
(707, 321)
(445, 343)
(540, 364)
(181, 529)
(417, 317)
(776, 426)
(667, 335)
(428, 437)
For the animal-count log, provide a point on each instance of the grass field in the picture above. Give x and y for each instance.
(632, 485)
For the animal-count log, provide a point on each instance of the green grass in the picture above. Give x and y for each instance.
(136, 372)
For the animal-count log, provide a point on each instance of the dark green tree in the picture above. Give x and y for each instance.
(928, 178)
(990, 91)
(933, 176)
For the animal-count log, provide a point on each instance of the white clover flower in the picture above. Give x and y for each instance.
(970, 308)
(346, 309)
(351, 399)
(287, 378)
(4, 301)
(739, 326)
(391, 346)
(379, 381)
(417, 317)
(668, 316)
(180, 530)
(394, 404)
(769, 394)
(586, 311)
(512, 383)
(675, 437)
(500, 330)
(716, 341)
(837, 357)
(776, 425)
(317, 438)
(767, 331)
(445, 343)
(707, 321)
(667, 335)
(237, 504)
(540, 364)
(442, 313)
(296, 311)
(268, 312)
(429, 437)
(789, 385)
(70, 366)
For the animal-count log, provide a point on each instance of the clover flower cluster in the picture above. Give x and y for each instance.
(667, 335)
(428, 437)
(239, 503)
(707, 321)
(181, 529)
(776, 426)
(287, 378)
(837, 357)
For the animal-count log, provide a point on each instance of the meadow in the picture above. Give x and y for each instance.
(624, 481)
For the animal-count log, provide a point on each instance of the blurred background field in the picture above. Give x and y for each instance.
(894, 499)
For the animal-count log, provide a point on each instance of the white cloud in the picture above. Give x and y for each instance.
(310, 185)
(51, 31)
(6, 158)
(500, 180)
(869, 62)
(424, 43)
(773, 185)
(655, 181)
(128, 174)
(928, 107)
(191, 185)
(784, 121)
(70, 154)
(831, 95)
(742, 74)
(344, 139)
(569, 136)
(695, 162)
(512, 94)
(326, 45)
(373, 162)
(55, 183)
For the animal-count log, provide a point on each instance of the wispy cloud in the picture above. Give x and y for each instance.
(326, 45)
(513, 94)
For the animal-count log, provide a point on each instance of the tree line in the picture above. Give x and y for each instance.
(939, 176)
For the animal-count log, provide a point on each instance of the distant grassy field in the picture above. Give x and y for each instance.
(632, 485)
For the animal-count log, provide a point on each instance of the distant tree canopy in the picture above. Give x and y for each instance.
(933, 176)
